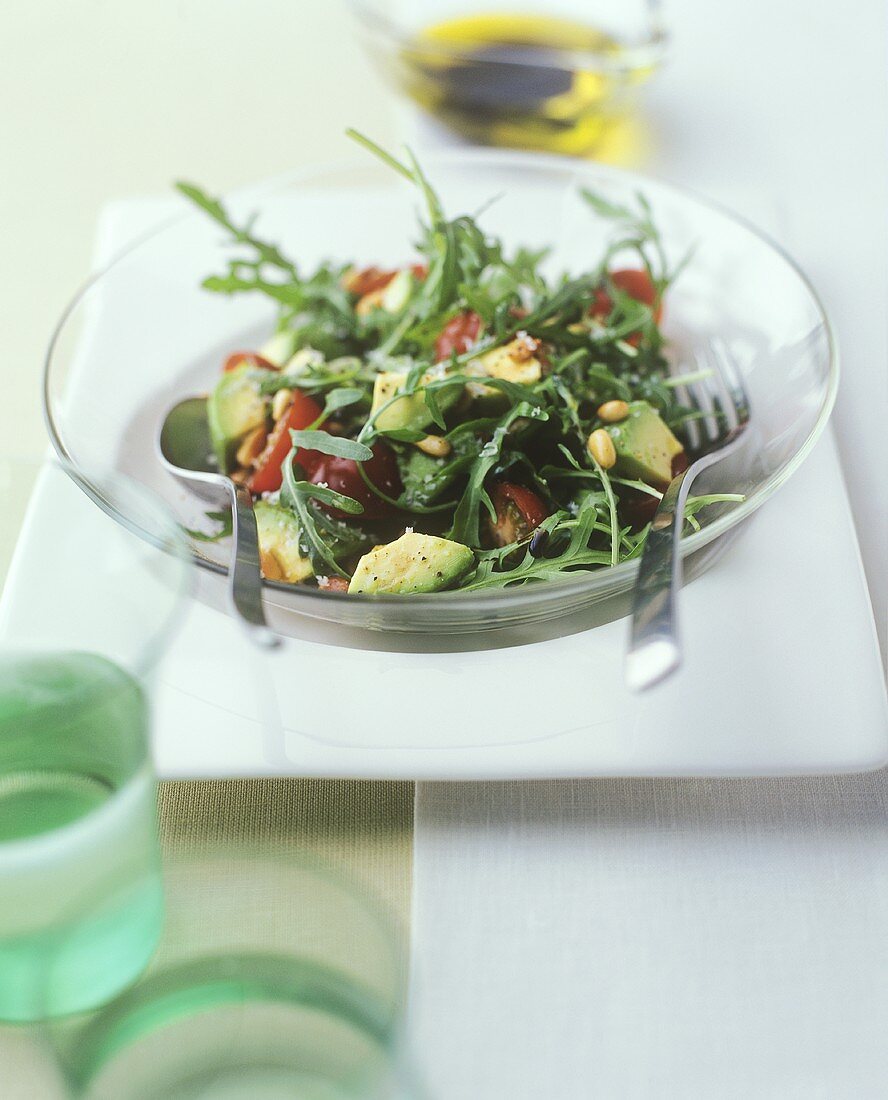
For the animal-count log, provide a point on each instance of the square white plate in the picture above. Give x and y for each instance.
(782, 671)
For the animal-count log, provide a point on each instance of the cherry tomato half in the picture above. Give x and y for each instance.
(637, 284)
(267, 475)
(518, 512)
(247, 358)
(458, 335)
(343, 476)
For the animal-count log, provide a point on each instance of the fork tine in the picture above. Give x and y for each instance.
(702, 396)
(683, 393)
(732, 380)
(654, 649)
(722, 397)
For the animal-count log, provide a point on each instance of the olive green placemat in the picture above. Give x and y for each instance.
(361, 827)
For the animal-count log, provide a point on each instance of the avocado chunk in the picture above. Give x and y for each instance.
(645, 446)
(412, 563)
(234, 408)
(279, 348)
(397, 294)
(517, 362)
(279, 550)
(410, 411)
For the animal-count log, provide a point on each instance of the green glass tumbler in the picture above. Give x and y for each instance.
(276, 978)
(86, 606)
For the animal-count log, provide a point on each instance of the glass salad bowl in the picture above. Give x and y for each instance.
(143, 333)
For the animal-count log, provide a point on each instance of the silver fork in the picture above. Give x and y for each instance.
(654, 647)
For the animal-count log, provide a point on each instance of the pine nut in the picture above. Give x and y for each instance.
(251, 447)
(434, 445)
(613, 411)
(280, 403)
(601, 447)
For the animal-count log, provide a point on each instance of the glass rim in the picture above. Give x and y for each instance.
(154, 1003)
(646, 49)
(105, 488)
(613, 580)
(247, 974)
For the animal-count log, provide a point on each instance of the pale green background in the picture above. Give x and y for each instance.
(102, 98)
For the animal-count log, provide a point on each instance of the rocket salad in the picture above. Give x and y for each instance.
(461, 422)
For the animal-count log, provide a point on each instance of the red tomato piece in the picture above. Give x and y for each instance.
(334, 584)
(458, 335)
(518, 512)
(367, 279)
(343, 476)
(267, 475)
(680, 463)
(250, 358)
(632, 281)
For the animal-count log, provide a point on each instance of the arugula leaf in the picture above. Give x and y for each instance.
(336, 445)
(493, 570)
(466, 519)
(267, 253)
(694, 504)
(326, 495)
(297, 495)
(403, 435)
(425, 478)
(341, 398)
(222, 518)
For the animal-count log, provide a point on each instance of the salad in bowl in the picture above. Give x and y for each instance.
(463, 421)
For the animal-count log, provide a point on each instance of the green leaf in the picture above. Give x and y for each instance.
(466, 519)
(268, 253)
(336, 445)
(341, 398)
(378, 151)
(298, 495)
(225, 528)
(329, 496)
(404, 435)
(606, 208)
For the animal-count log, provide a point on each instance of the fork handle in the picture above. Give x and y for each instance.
(654, 651)
(245, 577)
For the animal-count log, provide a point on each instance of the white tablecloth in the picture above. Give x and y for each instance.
(697, 938)
(652, 939)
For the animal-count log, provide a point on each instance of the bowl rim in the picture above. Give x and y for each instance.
(612, 580)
